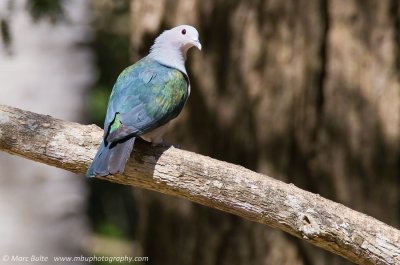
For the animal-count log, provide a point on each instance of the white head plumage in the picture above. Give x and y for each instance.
(171, 46)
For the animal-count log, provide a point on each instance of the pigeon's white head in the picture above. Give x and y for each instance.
(171, 46)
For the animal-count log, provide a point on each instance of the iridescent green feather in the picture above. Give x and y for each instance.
(116, 123)
(146, 96)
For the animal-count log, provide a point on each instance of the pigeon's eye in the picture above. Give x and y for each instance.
(183, 31)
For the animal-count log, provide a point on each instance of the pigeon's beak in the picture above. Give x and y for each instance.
(197, 44)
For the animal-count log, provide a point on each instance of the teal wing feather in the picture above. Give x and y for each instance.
(145, 96)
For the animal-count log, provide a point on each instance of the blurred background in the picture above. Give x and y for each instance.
(306, 91)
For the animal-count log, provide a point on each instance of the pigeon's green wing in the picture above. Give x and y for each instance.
(146, 95)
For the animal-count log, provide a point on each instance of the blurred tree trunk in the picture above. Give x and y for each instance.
(304, 90)
(43, 208)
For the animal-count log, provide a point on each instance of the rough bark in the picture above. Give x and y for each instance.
(216, 184)
(306, 91)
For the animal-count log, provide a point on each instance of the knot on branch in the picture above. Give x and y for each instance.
(309, 227)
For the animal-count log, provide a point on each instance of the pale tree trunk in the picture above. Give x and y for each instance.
(42, 208)
(306, 91)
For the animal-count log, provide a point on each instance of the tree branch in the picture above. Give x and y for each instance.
(216, 184)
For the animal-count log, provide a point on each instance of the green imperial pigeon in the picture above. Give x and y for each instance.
(146, 96)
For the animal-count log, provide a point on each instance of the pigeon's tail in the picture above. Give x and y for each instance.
(111, 159)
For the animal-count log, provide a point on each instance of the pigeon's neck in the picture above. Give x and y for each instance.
(169, 55)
